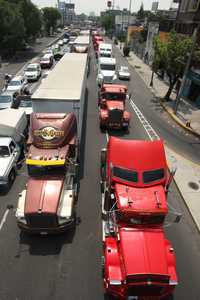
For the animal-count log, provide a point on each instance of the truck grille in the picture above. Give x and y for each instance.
(41, 220)
(107, 79)
(115, 116)
(142, 290)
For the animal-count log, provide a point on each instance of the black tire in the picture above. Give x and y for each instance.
(11, 177)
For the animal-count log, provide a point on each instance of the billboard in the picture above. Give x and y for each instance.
(155, 6)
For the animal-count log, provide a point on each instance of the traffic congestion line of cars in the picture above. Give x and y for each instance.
(138, 262)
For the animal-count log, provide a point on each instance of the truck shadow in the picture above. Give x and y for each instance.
(117, 133)
(45, 245)
(83, 138)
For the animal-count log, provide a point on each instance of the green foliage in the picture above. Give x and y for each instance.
(51, 16)
(171, 56)
(107, 22)
(12, 29)
(141, 13)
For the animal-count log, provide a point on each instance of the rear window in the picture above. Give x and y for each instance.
(153, 175)
(125, 174)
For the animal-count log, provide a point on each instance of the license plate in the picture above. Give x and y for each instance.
(132, 297)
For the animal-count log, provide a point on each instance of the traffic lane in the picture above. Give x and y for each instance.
(184, 237)
(179, 140)
(14, 66)
(51, 267)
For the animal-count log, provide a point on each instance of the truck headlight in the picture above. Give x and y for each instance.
(20, 208)
(66, 208)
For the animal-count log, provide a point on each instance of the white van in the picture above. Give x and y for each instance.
(105, 50)
(106, 70)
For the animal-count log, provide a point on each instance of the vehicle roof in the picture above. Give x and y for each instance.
(82, 39)
(106, 45)
(47, 55)
(18, 77)
(65, 81)
(5, 141)
(33, 65)
(107, 60)
(143, 251)
(114, 88)
(138, 155)
(135, 200)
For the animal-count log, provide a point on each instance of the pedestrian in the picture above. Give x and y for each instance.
(146, 57)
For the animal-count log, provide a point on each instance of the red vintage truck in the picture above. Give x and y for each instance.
(112, 113)
(47, 204)
(138, 262)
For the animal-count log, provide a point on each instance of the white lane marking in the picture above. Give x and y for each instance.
(147, 126)
(3, 220)
(107, 136)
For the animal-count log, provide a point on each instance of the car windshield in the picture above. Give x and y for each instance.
(114, 96)
(125, 174)
(153, 175)
(14, 83)
(80, 45)
(5, 99)
(124, 69)
(4, 151)
(54, 171)
(31, 69)
(45, 59)
(107, 67)
(25, 103)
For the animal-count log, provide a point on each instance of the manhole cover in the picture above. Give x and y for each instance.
(193, 185)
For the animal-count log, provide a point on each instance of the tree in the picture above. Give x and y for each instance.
(12, 29)
(32, 18)
(107, 22)
(141, 13)
(51, 16)
(171, 56)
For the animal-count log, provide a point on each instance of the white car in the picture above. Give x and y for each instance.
(123, 73)
(60, 42)
(18, 84)
(9, 99)
(33, 72)
(65, 41)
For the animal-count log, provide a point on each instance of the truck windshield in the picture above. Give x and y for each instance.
(125, 174)
(153, 175)
(114, 96)
(141, 219)
(107, 67)
(4, 151)
(52, 171)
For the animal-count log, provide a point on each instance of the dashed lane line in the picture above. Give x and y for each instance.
(3, 220)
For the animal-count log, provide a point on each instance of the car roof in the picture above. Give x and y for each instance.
(33, 65)
(107, 60)
(47, 55)
(5, 141)
(117, 88)
(18, 77)
(138, 155)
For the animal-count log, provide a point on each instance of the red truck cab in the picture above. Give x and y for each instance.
(139, 263)
(112, 113)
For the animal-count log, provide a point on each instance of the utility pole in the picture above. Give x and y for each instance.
(129, 14)
(187, 67)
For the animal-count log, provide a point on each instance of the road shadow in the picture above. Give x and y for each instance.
(118, 133)
(44, 245)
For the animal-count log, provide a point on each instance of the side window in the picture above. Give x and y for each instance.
(12, 147)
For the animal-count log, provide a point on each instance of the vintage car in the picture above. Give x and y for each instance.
(112, 113)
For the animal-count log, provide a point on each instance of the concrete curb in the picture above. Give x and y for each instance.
(177, 120)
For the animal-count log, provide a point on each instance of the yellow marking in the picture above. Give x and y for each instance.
(38, 162)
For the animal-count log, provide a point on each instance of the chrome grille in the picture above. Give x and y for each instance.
(115, 116)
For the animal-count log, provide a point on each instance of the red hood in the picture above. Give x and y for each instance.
(115, 105)
(144, 251)
(141, 200)
(43, 196)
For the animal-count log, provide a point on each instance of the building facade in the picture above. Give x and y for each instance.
(188, 16)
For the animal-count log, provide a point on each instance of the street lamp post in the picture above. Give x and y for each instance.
(129, 14)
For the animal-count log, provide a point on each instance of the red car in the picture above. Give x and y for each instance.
(112, 113)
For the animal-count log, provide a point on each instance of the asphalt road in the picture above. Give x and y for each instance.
(69, 266)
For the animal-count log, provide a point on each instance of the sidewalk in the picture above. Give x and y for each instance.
(186, 112)
(187, 177)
